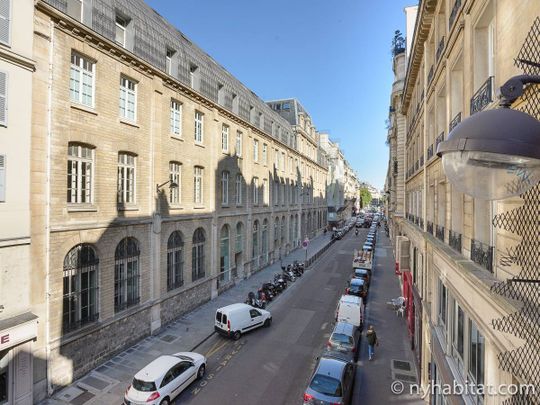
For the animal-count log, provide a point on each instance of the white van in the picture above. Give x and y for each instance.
(350, 309)
(236, 319)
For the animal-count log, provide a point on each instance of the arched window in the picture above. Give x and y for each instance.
(255, 248)
(126, 274)
(224, 261)
(80, 293)
(175, 261)
(224, 188)
(239, 237)
(197, 254)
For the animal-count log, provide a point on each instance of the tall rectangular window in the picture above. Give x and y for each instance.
(255, 191)
(225, 138)
(238, 189)
(225, 188)
(265, 153)
(2, 178)
(128, 98)
(79, 174)
(126, 178)
(476, 357)
(199, 127)
(176, 118)
(198, 185)
(3, 98)
(458, 334)
(169, 61)
(81, 80)
(255, 150)
(283, 160)
(265, 191)
(120, 30)
(239, 136)
(175, 176)
(442, 304)
(5, 21)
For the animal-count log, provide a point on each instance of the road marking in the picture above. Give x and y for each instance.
(323, 327)
(216, 347)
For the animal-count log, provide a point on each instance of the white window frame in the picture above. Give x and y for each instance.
(120, 24)
(255, 150)
(175, 176)
(238, 189)
(9, 19)
(76, 162)
(128, 88)
(225, 188)
(198, 184)
(82, 67)
(169, 54)
(176, 118)
(3, 176)
(255, 191)
(265, 153)
(199, 127)
(265, 192)
(239, 139)
(127, 178)
(225, 138)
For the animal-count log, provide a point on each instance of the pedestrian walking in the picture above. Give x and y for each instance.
(371, 337)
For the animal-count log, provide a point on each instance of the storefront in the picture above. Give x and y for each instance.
(16, 361)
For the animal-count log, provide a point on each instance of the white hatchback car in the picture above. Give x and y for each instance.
(164, 378)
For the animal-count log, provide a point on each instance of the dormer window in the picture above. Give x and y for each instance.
(120, 33)
(169, 61)
(194, 76)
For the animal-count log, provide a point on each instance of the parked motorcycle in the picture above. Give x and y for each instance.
(268, 291)
(254, 301)
(280, 282)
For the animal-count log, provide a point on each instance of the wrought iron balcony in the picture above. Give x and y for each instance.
(483, 96)
(440, 49)
(454, 240)
(430, 75)
(430, 152)
(439, 139)
(422, 160)
(482, 254)
(453, 13)
(439, 232)
(456, 120)
(421, 223)
(430, 227)
(417, 220)
(416, 166)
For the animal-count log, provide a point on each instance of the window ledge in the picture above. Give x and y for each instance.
(177, 137)
(199, 144)
(225, 206)
(82, 208)
(175, 208)
(127, 207)
(82, 107)
(199, 207)
(129, 123)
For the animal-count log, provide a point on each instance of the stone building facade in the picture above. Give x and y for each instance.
(454, 251)
(158, 179)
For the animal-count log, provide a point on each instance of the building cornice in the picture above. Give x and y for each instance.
(14, 58)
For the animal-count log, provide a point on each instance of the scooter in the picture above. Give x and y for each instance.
(254, 302)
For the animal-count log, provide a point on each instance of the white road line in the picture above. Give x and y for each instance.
(323, 327)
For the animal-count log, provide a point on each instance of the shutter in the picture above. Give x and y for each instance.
(2, 178)
(5, 21)
(3, 98)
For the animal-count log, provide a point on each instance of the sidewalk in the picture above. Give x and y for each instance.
(106, 384)
(374, 378)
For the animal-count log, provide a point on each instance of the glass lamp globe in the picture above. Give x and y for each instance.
(493, 154)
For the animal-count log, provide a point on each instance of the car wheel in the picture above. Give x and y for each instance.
(236, 335)
(165, 401)
(200, 373)
(268, 322)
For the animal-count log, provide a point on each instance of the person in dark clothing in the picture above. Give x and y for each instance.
(372, 340)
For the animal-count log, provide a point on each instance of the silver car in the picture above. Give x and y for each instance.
(345, 338)
(332, 382)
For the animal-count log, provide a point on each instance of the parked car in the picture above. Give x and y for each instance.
(332, 382)
(165, 378)
(345, 338)
(350, 309)
(358, 287)
(237, 319)
(362, 274)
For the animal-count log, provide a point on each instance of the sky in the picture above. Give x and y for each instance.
(333, 56)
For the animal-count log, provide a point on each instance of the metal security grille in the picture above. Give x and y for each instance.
(525, 287)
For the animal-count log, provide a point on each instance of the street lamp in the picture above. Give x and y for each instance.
(495, 154)
(172, 186)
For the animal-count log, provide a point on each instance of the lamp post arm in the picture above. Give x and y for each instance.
(514, 87)
(158, 186)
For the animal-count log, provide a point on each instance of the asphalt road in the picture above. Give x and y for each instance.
(273, 365)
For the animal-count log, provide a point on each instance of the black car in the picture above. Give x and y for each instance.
(358, 287)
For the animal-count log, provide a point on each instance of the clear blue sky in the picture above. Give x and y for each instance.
(333, 56)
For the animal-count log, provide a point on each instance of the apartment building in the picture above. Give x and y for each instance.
(454, 253)
(158, 179)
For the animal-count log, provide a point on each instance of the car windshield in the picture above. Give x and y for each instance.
(341, 339)
(144, 386)
(326, 385)
(356, 287)
(180, 356)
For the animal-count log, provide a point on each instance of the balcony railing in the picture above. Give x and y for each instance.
(416, 166)
(453, 13)
(430, 152)
(430, 227)
(422, 160)
(430, 75)
(417, 220)
(440, 49)
(482, 254)
(421, 223)
(456, 120)
(439, 139)
(483, 96)
(439, 232)
(454, 240)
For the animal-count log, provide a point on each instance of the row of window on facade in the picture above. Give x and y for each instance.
(80, 181)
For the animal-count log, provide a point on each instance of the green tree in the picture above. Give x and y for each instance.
(365, 197)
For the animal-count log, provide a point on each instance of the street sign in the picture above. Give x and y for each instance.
(305, 243)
